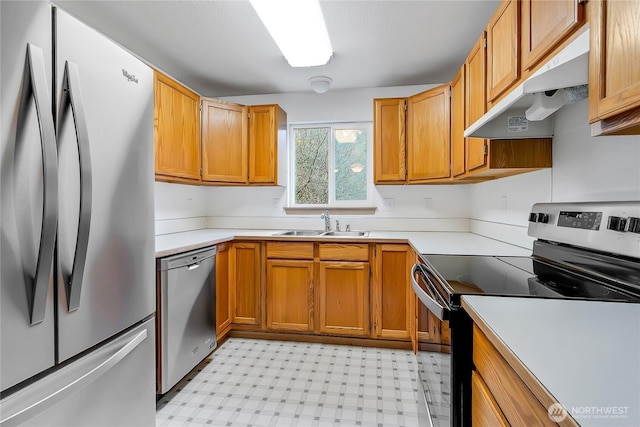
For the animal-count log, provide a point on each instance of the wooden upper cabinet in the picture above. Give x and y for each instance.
(546, 23)
(389, 153)
(614, 74)
(503, 49)
(224, 142)
(177, 131)
(458, 123)
(428, 135)
(267, 134)
(476, 101)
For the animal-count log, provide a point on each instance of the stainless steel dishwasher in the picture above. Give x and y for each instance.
(186, 314)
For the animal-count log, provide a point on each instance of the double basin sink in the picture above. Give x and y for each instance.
(318, 233)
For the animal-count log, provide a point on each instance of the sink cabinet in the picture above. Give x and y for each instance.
(343, 289)
(289, 286)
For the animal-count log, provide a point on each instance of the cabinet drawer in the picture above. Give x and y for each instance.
(290, 250)
(344, 252)
(517, 402)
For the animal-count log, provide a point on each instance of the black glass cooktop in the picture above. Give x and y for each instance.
(522, 276)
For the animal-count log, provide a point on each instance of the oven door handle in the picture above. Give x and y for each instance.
(431, 304)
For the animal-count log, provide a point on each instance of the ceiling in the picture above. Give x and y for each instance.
(220, 48)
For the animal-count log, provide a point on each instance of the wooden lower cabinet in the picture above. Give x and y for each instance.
(484, 409)
(223, 294)
(392, 292)
(343, 298)
(290, 295)
(245, 275)
(514, 398)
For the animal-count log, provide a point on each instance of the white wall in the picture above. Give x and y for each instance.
(585, 168)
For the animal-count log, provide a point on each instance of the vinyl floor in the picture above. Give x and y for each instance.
(249, 382)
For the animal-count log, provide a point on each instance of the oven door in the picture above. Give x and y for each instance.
(433, 358)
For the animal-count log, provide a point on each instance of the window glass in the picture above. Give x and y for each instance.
(331, 164)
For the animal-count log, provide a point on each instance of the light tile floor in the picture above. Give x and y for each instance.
(276, 383)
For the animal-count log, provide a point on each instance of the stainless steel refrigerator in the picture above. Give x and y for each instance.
(77, 289)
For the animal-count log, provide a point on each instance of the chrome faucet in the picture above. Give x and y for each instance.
(327, 220)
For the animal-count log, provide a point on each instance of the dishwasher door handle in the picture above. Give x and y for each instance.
(193, 266)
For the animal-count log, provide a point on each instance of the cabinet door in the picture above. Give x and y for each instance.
(614, 75)
(476, 101)
(245, 279)
(392, 292)
(224, 142)
(223, 294)
(458, 123)
(177, 130)
(289, 295)
(344, 298)
(503, 48)
(389, 154)
(484, 409)
(428, 135)
(263, 143)
(544, 24)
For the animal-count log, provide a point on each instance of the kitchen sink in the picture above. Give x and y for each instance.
(301, 233)
(317, 233)
(346, 233)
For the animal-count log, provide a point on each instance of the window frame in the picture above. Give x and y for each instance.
(333, 203)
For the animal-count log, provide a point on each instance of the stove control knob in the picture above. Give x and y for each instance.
(543, 218)
(634, 225)
(533, 217)
(617, 223)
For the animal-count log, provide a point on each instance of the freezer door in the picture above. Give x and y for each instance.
(26, 310)
(106, 275)
(110, 386)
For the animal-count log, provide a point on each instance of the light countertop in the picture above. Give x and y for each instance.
(423, 242)
(585, 353)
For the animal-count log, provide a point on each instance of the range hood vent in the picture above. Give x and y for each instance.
(527, 111)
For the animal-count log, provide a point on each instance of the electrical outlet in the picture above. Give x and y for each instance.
(503, 204)
(388, 204)
(428, 203)
(189, 204)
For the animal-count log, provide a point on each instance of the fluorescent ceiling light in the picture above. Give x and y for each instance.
(298, 28)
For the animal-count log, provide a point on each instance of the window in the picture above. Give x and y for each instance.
(330, 164)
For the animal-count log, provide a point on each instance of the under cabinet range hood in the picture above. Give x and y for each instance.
(526, 112)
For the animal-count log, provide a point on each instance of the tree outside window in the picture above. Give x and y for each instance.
(331, 164)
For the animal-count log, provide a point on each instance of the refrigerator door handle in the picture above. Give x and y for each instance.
(72, 97)
(36, 398)
(35, 79)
